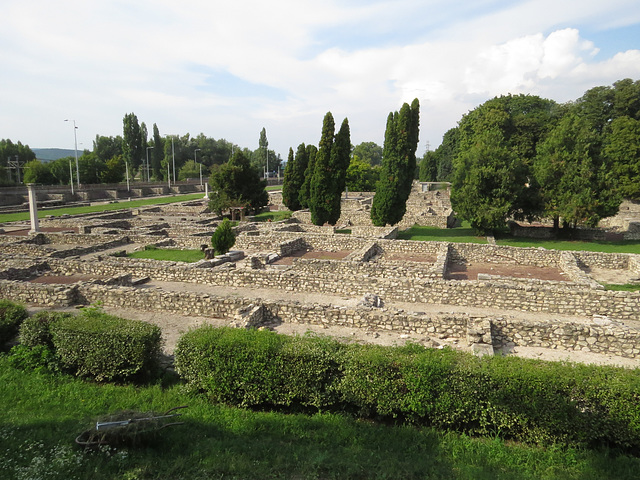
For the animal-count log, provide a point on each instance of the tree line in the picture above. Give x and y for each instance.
(145, 156)
(524, 157)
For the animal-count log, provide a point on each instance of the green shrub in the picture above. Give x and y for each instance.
(254, 367)
(39, 358)
(105, 347)
(223, 238)
(513, 398)
(36, 330)
(11, 316)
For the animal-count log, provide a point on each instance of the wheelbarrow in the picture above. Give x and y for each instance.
(126, 428)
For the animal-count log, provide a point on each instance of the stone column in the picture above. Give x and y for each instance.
(206, 191)
(33, 208)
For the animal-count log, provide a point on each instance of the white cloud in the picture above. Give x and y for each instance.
(96, 61)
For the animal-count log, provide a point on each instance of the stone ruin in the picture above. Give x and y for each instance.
(364, 279)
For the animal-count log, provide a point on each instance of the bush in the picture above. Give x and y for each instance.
(36, 330)
(513, 398)
(223, 238)
(11, 316)
(253, 367)
(38, 358)
(105, 347)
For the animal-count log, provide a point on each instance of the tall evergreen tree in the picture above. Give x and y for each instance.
(305, 191)
(157, 154)
(294, 178)
(321, 201)
(398, 165)
(340, 159)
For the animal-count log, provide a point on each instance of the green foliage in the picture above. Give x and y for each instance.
(576, 185)
(37, 172)
(622, 151)
(41, 415)
(361, 176)
(368, 152)
(329, 173)
(168, 254)
(11, 317)
(38, 358)
(428, 167)
(236, 184)
(191, 169)
(529, 401)
(134, 143)
(13, 151)
(294, 178)
(223, 238)
(105, 347)
(275, 216)
(304, 196)
(36, 329)
(398, 165)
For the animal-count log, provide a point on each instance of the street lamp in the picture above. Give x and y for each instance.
(195, 159)
(75, 138)
(148, 176)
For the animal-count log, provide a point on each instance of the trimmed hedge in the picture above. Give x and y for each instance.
(526, 400)
(105, 347)
(11, 316)
(36, 330)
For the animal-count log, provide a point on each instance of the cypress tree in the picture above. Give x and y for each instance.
(398, 165)
(321, 202)
(340, 158)
(289, 186)
(305, 191)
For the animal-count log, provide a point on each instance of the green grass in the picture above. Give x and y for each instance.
(627, 246)
(466, 234)
(434, 234)
(169, 254)
(272, 188)
(273, 216)
(22, 216)
(628, 287)
(42, 414)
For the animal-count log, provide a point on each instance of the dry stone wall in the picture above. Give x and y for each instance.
(599, 336)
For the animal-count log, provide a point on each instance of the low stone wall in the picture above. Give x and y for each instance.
(569, 265)
(390, 282)
(601, 336)
(38, 294)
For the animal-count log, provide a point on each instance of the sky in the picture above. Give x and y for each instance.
(229, 69)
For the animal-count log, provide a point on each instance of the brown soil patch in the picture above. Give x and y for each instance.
(64, 279)
(317, 254)
(471, 271)
(409, 258)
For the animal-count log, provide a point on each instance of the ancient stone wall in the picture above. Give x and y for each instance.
(599, 336)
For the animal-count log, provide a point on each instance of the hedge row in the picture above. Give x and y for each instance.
(11, 316)
(94, 344)
(526, 400)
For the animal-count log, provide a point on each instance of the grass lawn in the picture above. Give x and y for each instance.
(628, 287)
(41, 415)
(434, 234)
(170, 254)
(273, 216)
(466, 234)
(629, 246)
(22, 216)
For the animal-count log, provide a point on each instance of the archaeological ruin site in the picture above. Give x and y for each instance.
(485, 298)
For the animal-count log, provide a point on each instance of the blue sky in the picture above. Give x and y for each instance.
(228, 69)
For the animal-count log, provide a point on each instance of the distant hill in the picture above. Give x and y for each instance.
(50, 154)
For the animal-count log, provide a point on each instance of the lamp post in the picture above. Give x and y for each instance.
(195, 159)
(148, 176)
(75, 138)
